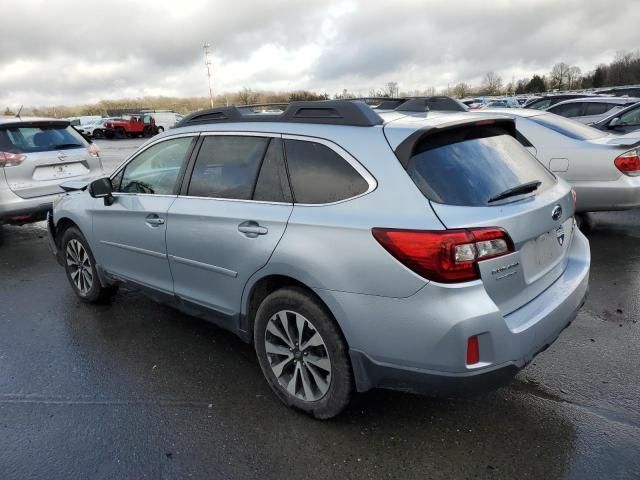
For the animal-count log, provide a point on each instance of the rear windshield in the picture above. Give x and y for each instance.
(472, 172)
(39, 138)
(567, 127)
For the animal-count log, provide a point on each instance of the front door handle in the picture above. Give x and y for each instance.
(252, 229)
(154, 220)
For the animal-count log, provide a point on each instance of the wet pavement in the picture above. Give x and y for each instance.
(137, 390)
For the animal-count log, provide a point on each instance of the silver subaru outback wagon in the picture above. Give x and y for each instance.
(354, 248)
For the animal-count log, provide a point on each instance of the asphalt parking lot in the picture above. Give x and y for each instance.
(138, 390)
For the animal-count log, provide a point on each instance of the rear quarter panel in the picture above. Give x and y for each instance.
(331, 246)
(586, 161)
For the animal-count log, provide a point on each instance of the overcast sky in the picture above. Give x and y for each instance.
(71, 52)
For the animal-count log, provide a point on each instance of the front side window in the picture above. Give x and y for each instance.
(319, 175)
(156, 169)
(227, 166)
(632, 117)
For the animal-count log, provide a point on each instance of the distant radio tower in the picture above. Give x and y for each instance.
(207, 62)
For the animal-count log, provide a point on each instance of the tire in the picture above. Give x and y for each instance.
(108, 134)
(120, 133)
(313, 375)
(85, 284)
(160, 129)
(97, 133)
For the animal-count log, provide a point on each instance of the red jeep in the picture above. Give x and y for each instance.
(130, 126)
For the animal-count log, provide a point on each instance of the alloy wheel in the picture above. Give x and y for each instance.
(298, 356)
(79, 265)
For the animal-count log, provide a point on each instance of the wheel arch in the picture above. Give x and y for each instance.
(62, 225)
(262, 287)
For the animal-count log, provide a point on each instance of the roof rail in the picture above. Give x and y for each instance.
(424, 104)
(327, 112)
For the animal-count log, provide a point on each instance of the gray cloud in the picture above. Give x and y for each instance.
(73, 52)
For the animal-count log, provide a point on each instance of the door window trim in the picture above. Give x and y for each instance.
(186, 180)
(135, 155)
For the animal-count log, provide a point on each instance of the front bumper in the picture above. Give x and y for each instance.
(620, 194)
(51, 237)
(419, 343)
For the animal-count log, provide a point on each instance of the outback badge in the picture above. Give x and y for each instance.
(560, 235)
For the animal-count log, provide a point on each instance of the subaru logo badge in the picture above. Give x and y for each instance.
(556, 213)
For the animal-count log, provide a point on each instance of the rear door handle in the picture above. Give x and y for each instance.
(252, 229)
(154, 220)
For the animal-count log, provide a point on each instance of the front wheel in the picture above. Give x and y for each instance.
(81, 268)
(97, 133)
(160, 129)
(302, 353)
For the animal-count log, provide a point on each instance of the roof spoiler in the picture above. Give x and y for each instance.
(405, 150)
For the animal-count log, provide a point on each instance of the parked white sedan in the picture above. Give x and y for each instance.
(603, 169)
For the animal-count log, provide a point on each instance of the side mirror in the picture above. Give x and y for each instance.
(614, 122)
(102, 188)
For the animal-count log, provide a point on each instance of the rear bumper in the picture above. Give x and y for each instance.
(620, 194)
(18, 211)
(419, 343)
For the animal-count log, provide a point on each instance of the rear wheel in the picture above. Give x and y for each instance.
(81, 268)
(120, 133)
(302, 353)
(160, 129)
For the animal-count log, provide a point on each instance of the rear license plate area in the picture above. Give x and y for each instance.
(540, 255)
(56, 172)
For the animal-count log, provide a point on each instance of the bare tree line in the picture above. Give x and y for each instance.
(623, 70)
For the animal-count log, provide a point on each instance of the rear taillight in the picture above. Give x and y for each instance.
(446, 256)
(8, 159)
(629, 163)
(93, 150)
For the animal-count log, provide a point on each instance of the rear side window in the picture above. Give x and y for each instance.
(39, 138)
(595, 108)
(568, 110)
(568, 128)
(320, 175)
(471, 172)
(227, 166)
(273, 184)
(541, 104)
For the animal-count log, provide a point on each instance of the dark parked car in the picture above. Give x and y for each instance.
(546, 101)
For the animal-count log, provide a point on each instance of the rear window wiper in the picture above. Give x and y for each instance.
(519, 190)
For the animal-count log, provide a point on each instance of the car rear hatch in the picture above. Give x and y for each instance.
(478, 175)
(47, 153)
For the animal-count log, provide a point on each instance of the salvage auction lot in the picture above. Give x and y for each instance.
(138, 390)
